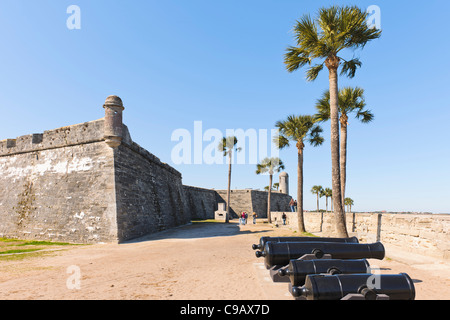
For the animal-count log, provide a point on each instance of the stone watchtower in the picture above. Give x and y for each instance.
(284, 183)
(113, 121)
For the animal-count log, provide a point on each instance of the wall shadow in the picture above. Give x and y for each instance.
(197, 230)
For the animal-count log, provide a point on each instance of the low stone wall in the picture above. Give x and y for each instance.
(254, 201)
(426, 234)
(201, 202)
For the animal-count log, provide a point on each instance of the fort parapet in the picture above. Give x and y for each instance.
(73, 184)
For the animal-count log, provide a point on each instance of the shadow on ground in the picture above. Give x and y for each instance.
(197, 230)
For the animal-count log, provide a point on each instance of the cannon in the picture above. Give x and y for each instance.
(297, 270)
(280, 253)
(356, 287)
(264, 240)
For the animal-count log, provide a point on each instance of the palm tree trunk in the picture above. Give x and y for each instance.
(269, 215)
(301, 222)
(318, 210)
(343, 156)
(332, 210)
(227, 217)
(341, 229)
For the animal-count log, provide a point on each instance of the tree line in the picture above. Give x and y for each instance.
(320, 40)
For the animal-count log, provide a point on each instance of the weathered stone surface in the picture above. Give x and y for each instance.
(254, 201)
(426, 234)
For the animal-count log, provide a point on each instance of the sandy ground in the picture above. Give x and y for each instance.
(202, 261)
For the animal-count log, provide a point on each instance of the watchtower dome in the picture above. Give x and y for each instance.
(113, 121)
(284, 183)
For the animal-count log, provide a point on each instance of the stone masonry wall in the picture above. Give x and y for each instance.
(68, 185)
(58, 186)
(255, 201)
(202, 202)
(150, 195)
(426, 234)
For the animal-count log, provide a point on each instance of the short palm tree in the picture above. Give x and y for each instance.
(318, 191)
(270, 166)
(227, 146)
(298, 130)
(328, 193)
(349, 202)
(350, 100)
(325, 37)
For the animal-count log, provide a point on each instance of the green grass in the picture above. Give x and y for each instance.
(16, 249)
(19, 251)
(44, 243)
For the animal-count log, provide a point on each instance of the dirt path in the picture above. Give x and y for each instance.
(203, 261)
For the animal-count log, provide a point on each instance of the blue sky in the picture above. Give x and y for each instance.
(221, 62)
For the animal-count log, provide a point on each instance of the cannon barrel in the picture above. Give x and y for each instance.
(336, 287)
(297, 270)
(280, 253)
(264, 240)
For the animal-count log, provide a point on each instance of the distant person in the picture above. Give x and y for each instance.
(241, 218)
(295, 206)
(254, 215)
(284, 218)
(245, 217)
(292, 205)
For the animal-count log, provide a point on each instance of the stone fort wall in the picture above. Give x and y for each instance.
(90, 183)
(58, 185)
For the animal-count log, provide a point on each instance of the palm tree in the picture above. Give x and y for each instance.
(227, 146)
(350, 100)
(328, 193)
(318, 191)
(270, 166)
(297, 129)
(333, 30)
(276, 185)
(349, 202)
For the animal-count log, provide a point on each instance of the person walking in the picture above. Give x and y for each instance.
(254, 215)
(284, 218)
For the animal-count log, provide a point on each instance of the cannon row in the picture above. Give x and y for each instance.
(331, 269)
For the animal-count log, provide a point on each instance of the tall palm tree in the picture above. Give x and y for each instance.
(324, 37)
(350, 100)
(328, 193)
(298, 130)
(227, 146)
(270, 166)
(318, 191)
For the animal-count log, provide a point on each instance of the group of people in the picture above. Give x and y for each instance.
(293, 205)
(244, 216)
